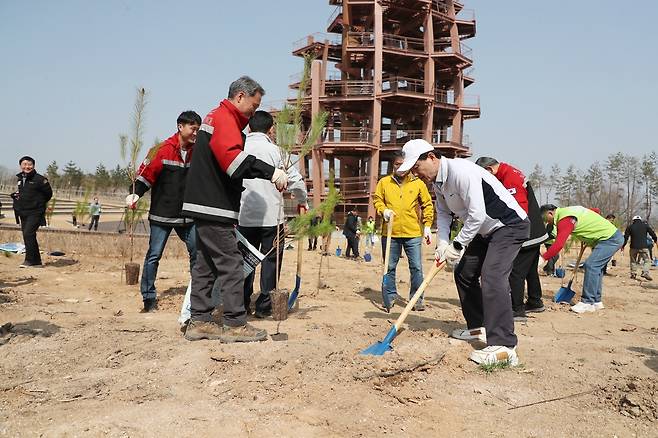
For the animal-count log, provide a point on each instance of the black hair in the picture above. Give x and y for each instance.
(424, 155)
(398, 154)
(188, 118)
(547, 207)
(486, 162)
(261, 121)
(28, 158)
(611, 216)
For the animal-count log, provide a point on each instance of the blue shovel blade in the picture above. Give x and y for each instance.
(564, 295)
(295, 293)
(381, 347)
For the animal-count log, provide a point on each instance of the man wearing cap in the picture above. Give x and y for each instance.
(594, 231)
(524, 269)
(495, 227)
(639, 252)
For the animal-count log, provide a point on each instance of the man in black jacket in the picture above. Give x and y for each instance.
(639, 252)
(212, 198)
(164, 171)
(30, 200)
(351, 231)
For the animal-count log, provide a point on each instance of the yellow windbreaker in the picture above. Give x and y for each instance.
(407, 199)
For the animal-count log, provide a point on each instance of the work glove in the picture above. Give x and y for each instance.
(450, 255)
(388, 213)
(280, 179)
(131, 201)
(441, 246)
(428, 235)
(302, 208)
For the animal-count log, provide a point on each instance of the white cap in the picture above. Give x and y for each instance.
(412, 150)
(637, 217)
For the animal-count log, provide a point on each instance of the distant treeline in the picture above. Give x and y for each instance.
(623, 185)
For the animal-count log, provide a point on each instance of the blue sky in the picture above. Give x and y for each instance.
(576, 81)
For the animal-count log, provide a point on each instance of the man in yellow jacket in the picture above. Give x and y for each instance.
(403, 196)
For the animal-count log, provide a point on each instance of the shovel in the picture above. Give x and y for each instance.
(565, 294)
(387, 255)
(382, 347)
(298, 278)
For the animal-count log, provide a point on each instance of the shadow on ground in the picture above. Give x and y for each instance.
(652, 357)
(415, 322)
(61, 263)
(33, 328)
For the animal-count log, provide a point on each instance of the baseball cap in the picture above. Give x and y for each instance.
(412, 150)
(637, 217)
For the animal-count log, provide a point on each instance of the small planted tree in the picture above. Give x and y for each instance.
(50, 210)
(295, 140)
(130, 148)
(302, 225)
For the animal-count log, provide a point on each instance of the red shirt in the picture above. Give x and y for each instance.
(564, 229)
(514, 181)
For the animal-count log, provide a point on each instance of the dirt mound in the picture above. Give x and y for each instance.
(636, 397)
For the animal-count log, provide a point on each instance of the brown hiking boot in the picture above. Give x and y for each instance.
(243, 333)
(197, 330)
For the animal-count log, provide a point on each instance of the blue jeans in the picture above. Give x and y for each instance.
(601, 255)
(411, 247)
(157, 242)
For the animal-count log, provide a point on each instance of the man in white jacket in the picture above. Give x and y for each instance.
(482, 253)
(261, 209)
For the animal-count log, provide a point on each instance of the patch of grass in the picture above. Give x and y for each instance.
(490, 368)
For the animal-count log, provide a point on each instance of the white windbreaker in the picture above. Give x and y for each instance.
(261, 203)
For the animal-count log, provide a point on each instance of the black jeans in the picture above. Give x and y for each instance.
(94, 223)
(218, 257)
(29, 225)
(312, 243)
(352, 245)
(489, 304)
(263, 239)
(524, 270)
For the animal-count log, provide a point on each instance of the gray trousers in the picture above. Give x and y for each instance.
(490, 260)
(218, 257)
(640, 259)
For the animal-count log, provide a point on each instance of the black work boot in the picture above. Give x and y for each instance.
(150, 305)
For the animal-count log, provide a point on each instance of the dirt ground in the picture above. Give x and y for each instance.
(78, 359)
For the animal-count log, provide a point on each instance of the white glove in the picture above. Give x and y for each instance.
(450, 255)
(428, 235)
(280, 179)
(131, 200)
(387, 214)
(441, 247)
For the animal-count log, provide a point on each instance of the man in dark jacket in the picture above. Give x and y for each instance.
(639, 252)
(30, 199)
(212, 198)
(164, 171)
(524, 269)
(351, 231)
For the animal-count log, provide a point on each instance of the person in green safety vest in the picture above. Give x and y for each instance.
(594, 231)
(369, 229)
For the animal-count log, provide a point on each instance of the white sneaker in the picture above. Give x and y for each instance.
(598, 306)
(583, 307)
(495, 354)
(470, 334)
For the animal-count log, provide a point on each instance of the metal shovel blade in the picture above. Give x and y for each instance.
(383, 346)
(564, 294)
(294, 293)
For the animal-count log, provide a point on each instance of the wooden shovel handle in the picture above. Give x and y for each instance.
(412, 302)
(389, 231)
(580, 256)
(300, 253)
